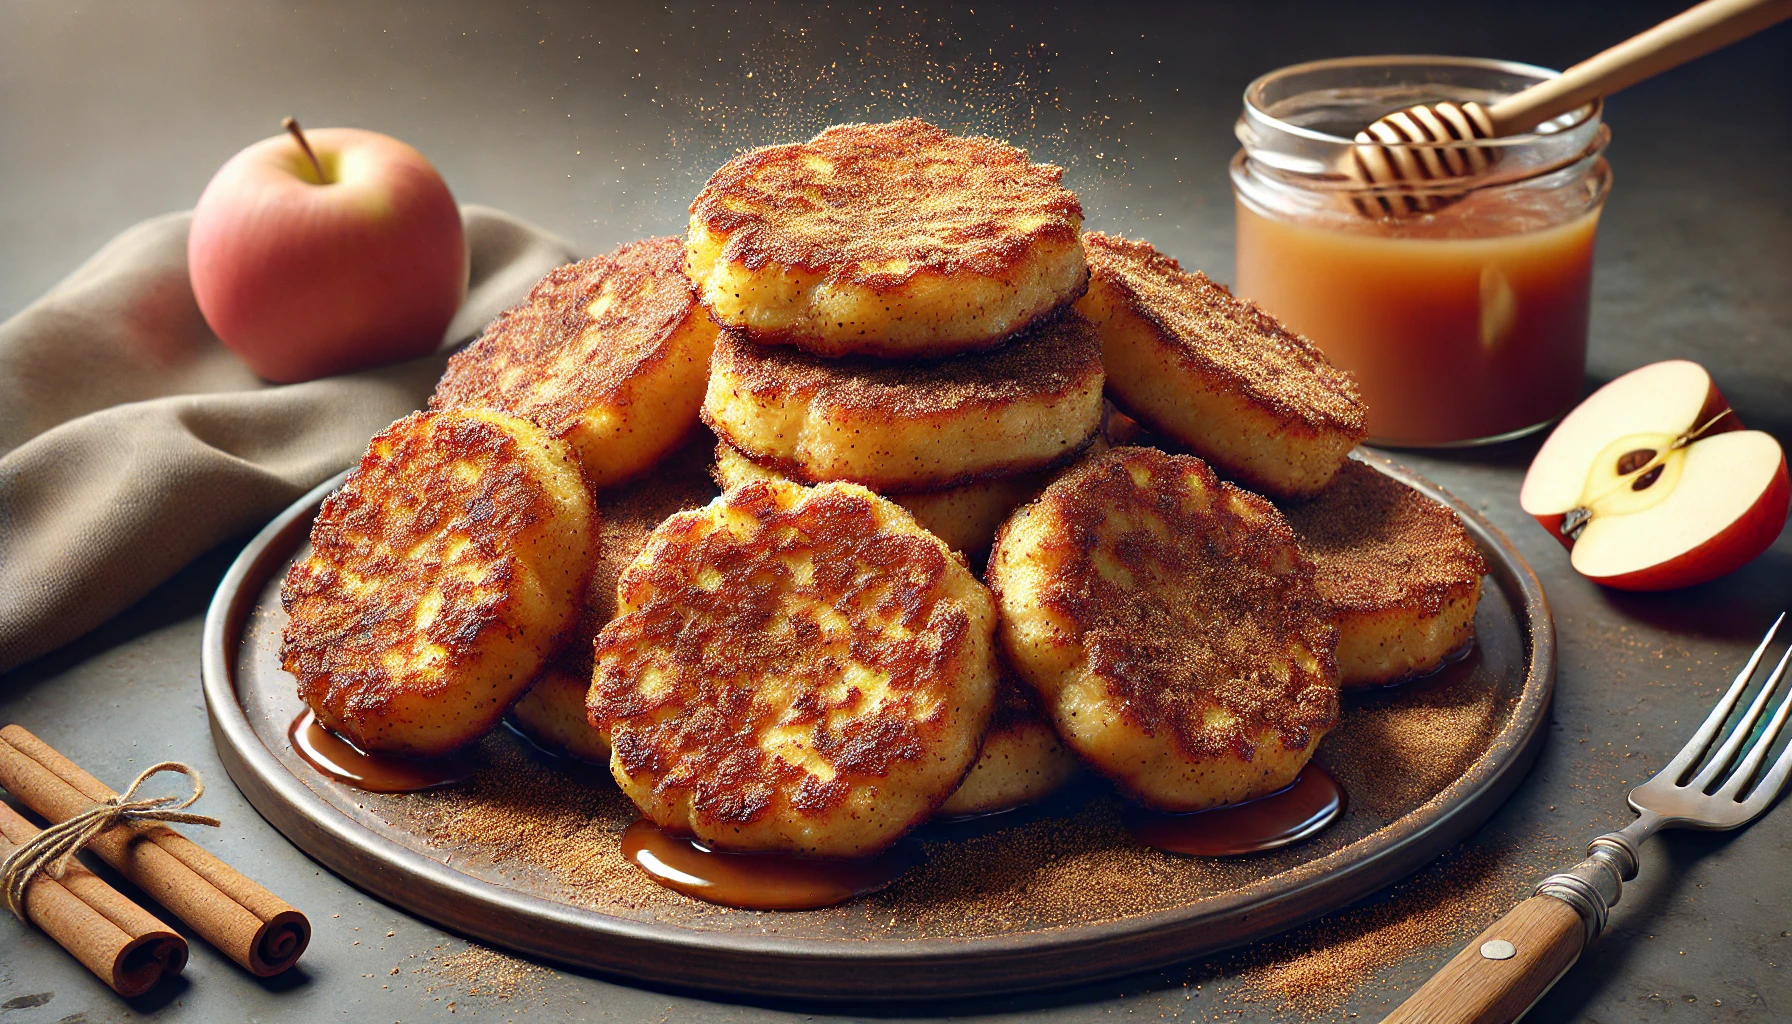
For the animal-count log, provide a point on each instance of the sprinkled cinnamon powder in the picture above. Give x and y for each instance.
(487, 972)
(1409, 746)
(1313, 970)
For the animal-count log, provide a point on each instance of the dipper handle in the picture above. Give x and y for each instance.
(1692, 33)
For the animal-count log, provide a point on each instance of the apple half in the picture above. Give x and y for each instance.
(1652, 483)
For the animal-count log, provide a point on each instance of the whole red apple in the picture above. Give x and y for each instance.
(329, 251)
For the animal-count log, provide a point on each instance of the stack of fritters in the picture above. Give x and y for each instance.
(421, 614)
(894, 304)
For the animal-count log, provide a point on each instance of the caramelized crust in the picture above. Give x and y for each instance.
(910, 426)
(1218, 374)
(893, 239)
(609, 353)
(440, 577)
(553, 711)
(1396, 570)
(793, 668)
(1172, 626)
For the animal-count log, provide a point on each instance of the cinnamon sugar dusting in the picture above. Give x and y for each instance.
(1054, 358)
(1377, 543)
(1228, 339)
(880, 204)
(487, 972)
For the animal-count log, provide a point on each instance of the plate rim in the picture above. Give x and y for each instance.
(830, 970)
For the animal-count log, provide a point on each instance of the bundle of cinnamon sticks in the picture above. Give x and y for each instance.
(125, 946)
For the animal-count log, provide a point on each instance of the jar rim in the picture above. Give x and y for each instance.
(1255, 109)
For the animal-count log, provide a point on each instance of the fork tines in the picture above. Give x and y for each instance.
(1723, 776)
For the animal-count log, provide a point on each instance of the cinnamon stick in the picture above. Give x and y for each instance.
(116, 939)
(249, 924)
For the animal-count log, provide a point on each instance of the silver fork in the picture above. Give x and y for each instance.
(1508, 967)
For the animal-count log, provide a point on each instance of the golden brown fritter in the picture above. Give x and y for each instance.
(1398, 573)
(898, 427)
(553, 711)
(610, 353)
(1222, 377)
(793, 668)
(1171, 626)
(1022, 759)
(440, 577)
(965, 517)
(893, 239)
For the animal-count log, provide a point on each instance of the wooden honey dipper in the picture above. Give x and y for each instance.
(1412, 145)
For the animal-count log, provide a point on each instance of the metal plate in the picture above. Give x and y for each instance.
(375, 842)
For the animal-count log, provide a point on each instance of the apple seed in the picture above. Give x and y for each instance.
(1632, 461)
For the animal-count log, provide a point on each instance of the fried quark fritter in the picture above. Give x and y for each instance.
(1022, 759)
(553, 712)
(965, 517)
(897, 427)
(610, 353)
(893, 239)
(1171, 627)
(1397, 571)
(795, 669)
(441, 576)
(1217, 374)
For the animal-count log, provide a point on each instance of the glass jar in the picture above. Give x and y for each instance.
(1463, 325)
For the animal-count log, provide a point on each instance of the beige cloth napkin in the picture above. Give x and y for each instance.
(132, 441)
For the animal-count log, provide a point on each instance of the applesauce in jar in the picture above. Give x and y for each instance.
(1466, 324)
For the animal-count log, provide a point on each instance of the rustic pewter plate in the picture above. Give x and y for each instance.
(524, 854)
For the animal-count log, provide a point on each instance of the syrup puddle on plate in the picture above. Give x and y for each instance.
(1419, 680)
(1298, 812)
(760, 881)
(376, 773)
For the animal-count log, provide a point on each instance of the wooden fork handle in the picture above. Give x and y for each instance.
(1477, 987)
(1692, 33)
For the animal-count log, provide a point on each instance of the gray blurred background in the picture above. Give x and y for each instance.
(601, 121)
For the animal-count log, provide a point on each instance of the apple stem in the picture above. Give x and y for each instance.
(292, 127)
(1699, 431)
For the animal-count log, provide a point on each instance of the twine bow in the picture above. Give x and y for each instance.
(51, 850)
